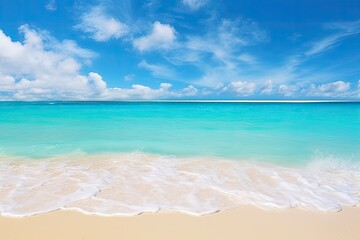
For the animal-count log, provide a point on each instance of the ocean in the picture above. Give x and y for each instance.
(125, 158)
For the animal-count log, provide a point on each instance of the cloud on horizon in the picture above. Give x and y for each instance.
(38, 69)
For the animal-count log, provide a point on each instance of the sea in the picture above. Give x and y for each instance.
(197, 157)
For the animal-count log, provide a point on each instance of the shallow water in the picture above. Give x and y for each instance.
(283, 133)
(130, 184)
(199, 158)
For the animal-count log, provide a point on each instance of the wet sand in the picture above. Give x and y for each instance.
(243, 223)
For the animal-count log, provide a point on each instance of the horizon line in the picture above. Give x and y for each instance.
(199, 101)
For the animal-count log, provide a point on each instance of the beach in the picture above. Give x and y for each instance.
(141, 170)
(243, 223)
(186, 119)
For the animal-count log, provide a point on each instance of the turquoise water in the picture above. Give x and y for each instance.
(286, 133)
(126, 158)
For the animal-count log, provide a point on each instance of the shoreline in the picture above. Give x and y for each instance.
(244, 222)
(118, 185)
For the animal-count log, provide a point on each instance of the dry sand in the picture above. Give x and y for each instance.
(244, 223)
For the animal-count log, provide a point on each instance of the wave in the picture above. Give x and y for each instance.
(133, 183)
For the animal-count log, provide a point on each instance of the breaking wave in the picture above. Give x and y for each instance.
(133, 183)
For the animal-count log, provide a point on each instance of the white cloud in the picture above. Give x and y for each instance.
(206, 92)
(242, 88)
(218, 86)
(100, 26)
(294, 68)
(344, 29)
(157, 70)
(6, 83)
(51, 6)
(138, 91)
(228, 38)
(189, 91)
(240, 32)
(97, 81)
(332, 89)
(338, 86)
(194, 4)
(324, 44)
(216, 76)
(37, 69)
(162, 36)
(219, 54)
(269, 87)
(37, 38)
(288, 90)
(71, 48)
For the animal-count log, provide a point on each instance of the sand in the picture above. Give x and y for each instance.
(243, 223)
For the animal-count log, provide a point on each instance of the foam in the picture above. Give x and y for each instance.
(133, 183)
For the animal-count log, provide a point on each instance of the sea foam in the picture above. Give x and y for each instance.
(133, 183)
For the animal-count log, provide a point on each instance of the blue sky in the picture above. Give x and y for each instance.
(179, 49)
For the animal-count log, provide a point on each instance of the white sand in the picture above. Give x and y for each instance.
(244, 223)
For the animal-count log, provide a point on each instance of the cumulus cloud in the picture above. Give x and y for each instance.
(138, 91)
(189, 91)
(97, 81)
(37, 69)
(329, 89)
(332, 89)
(268, 87)
(100, 26)
(194, 4)
(162, 36)
(288, 90)
(242, 88)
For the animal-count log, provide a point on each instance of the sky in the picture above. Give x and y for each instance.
(179, 49)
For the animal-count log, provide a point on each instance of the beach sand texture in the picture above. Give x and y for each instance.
(243, 223)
